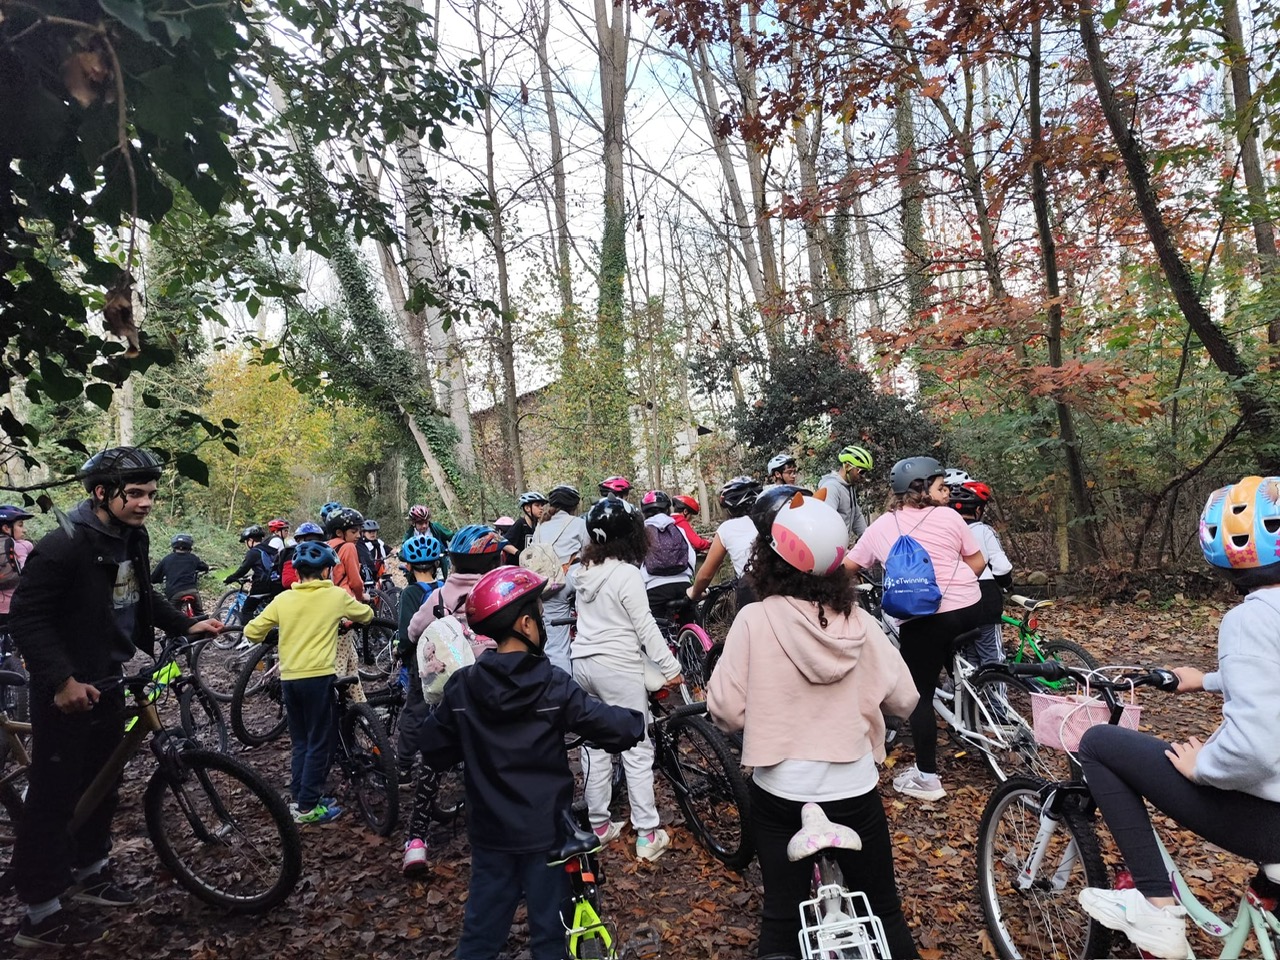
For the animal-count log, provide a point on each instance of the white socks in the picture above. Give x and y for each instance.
(84, 873)
(39, 912)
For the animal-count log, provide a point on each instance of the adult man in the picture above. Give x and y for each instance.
(781, 469)
(85, 603)
(531, 505)
(839, 484)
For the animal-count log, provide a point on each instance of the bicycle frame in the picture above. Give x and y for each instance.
(963, 695)
(145, 720)
(586, 923)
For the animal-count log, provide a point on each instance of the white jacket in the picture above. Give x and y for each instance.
(997, 560)
(614, 619)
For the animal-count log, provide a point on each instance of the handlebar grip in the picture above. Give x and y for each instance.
(1045, 670)
(562, 622)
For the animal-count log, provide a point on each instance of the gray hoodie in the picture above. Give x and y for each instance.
(841, 496)
(1244, 752)
(614, 619)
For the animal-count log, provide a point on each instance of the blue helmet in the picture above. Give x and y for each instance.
(476, 539)
(421, 548)
(310, 556)
(308, 529)
(332, 507)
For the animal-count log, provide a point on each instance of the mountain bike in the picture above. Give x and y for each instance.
(376, 647)
(689, 644)
(217, 664)
(216, 825)
(1038, 847)
(1033, 648)
(228, 606)
(835, 923)
(198, 711)
(716, 608)
(587, 936)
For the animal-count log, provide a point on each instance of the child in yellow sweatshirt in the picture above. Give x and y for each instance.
(308, 616)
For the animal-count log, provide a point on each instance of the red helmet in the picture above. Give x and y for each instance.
(619, 485)
(419, 513)
(497, 590)
(275, 526)
(689, 503)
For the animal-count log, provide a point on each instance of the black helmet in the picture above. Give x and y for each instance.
(655, 502)
(348, 518)
(254, 532)
(183, 540)
(739, 492)
(117, 466)
(905, 472)
(769, 503)
(611, 518)
(564, 497)
(370, 525)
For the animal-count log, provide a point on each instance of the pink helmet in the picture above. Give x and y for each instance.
(618, 485)
(497, 590)
(419, 513)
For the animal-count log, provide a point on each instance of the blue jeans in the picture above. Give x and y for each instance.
(498, 882)
(308, 706)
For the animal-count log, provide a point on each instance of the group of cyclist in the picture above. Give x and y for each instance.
(807, 676)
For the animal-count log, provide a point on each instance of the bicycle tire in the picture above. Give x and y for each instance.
(387, 705)
(217, 668)
(710, 790)
(376, 635)
(238, 813)
(202, 719)
(711, 659)
(370, 765)
(1072, 654)
(1002, 712)
(227, 610)
(715, 614)
(257, 706)
(691, 651)
(1039, 921)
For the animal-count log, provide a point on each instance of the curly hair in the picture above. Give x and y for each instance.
(916, 496)
(629, 549)
(771, 576)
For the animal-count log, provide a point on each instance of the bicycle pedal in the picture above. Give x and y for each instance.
(644, 944)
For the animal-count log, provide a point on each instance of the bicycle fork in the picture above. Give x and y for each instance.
(1030, 871)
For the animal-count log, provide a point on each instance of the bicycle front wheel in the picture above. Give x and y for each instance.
(257, 706)
(228, 608)
(202, 720)
(1030, 900)
(375, 642)
(370, 765)
(217, 663)
(716, 614)
(223, 833)
(1000, 711)
(710, 790)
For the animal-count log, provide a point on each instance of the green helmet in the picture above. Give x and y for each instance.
(856, 456)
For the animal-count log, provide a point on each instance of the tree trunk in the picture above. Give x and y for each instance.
(1259, 415)
(1086, 542)
(911, 192)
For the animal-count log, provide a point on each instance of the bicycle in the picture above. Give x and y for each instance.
(835, 923)
(231, 603)
(690, 645)
(1038, 846)
(216, 825)
(716, 608)
(198, 711)
(217, 664)
(587, 936)
(1032, 647)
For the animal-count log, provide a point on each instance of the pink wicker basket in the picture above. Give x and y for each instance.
(1060, 721)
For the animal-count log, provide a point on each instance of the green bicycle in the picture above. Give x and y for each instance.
(1033, 648)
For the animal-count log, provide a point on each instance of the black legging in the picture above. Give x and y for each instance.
(927, 643)
(774, 821)
(1124, 766)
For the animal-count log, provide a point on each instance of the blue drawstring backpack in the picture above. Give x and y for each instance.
(910, 586)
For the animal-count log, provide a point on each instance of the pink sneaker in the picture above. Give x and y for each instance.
(415, 857)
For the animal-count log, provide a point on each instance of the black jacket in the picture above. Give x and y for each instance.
(179, 572)
(259, 562)
(506, 717)
(62, 617)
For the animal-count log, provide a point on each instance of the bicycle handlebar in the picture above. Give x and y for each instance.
(562, 622)
(1053, 670)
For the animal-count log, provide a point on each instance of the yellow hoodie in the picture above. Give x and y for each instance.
(308, 615)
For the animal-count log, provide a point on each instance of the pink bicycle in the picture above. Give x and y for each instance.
(689, 643)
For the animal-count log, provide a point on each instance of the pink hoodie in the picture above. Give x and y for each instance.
(801, 691)
(457, 587)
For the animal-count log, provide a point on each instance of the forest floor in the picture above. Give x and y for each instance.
(353, 902)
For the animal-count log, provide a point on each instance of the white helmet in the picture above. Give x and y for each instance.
(809, 535)
(778, 461)
(954, 476)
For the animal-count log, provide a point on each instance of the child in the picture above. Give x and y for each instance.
(258, 564)
(308, 616)
(180, 571)
(970, 498)
(307, 531)
(668, 563)
(14, 548)
(734, 538)
(683, 509)
(1226, 789)
(506, 717)
(800, 665)
(531, 504)
(615, 634)
(474, 550)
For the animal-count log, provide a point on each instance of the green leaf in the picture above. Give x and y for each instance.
(192, 467)
(132, 15)
(99, 394)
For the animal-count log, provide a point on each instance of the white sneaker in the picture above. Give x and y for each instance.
(922, 786)
(611, 832)
(651, 850)
(1159, 931)
(910, 773)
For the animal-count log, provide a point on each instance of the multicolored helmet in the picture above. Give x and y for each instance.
(740, 492)
(809, 535)
(499, 589)
(619, 486)
(1240, 524)
(421, 548)
(419, 513)
(476, 539)
(856, 456)
(310, 556)
(655, 502)
(967, 497)
(611, 519)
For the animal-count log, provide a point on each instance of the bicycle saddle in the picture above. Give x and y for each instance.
(340, 682)
(577, 841)
(817, 833)
(11, 678)
(1028, 604)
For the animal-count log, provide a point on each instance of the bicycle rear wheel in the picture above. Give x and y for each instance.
(223, 833)
(375, 649)
(257, 706)
(217, 664)
(715, 615)
(691, 650)
(1000, 710)
(1038, 914)
(202, 719)
(370, 765)
(710, 789)
(228, 607)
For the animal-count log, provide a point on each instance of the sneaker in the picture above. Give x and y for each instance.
(101, 891)
(909, 773)
(61, 929)
(652, 849)
(610, 831)
(922, 786)
(1159, 931)
(317, 814)
(415, 857)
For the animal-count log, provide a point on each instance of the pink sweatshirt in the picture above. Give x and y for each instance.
(800, 691)
(457, 587)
